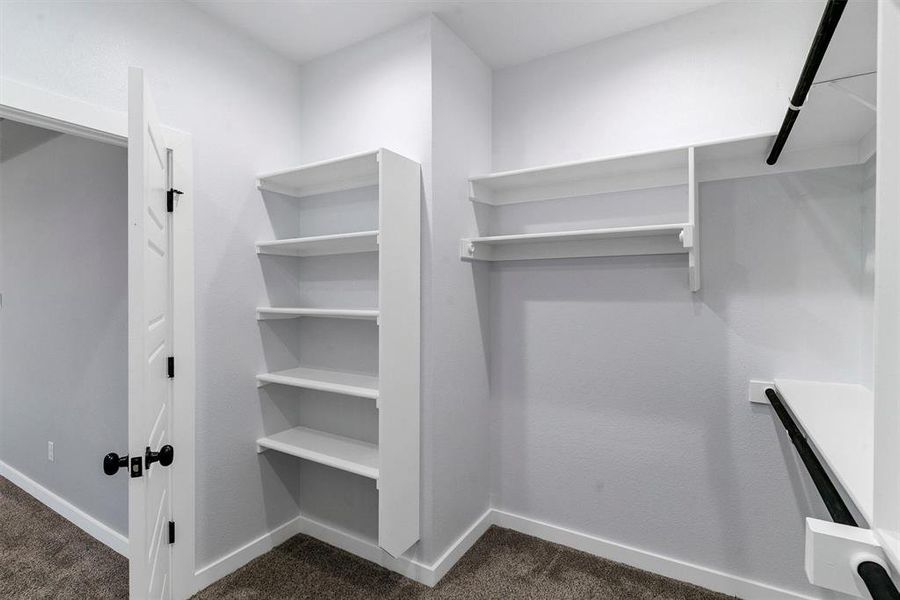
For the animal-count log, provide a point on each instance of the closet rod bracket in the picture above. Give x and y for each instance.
(834, 553)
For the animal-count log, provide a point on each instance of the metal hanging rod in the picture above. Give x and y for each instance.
(875, 577)
(833, 501)
(830, 18)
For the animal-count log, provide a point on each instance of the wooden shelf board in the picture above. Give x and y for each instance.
(839, 421)
(615, 241)
(346, 454)
(338, 382)
(264, 313)
(345, 173)
(321, 245)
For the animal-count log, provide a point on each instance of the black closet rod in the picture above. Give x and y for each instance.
(876, 578)
(827, 25)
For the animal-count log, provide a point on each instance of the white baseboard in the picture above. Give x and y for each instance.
(717, 581)
(458, 548)
(67, 510)
(366, 549)
(408, 567)
(236, 559)
(430, 575)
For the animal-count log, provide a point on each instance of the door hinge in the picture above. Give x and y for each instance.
(170, 199)
(171, 532)
(171, 367)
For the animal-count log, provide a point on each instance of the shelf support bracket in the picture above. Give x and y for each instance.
(834, 553)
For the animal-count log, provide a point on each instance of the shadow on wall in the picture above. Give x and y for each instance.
(17, 139)
(65, 315)
(785, 260)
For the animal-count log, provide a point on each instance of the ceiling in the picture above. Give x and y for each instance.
(501, 32)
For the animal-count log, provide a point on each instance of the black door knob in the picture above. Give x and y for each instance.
(112, 462)
(164, 457)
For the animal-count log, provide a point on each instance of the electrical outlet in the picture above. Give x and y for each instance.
(50, 451)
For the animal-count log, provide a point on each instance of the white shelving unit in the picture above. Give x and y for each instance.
(639, 171)
(265, 313)
(583, 178)
(394, 461)
(813, 146)
(345, 173)
(839, 421)
(324, 448)
(616, 241)
(322, 245)
(337, 382)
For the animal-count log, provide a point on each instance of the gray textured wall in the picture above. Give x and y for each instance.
(64, 321)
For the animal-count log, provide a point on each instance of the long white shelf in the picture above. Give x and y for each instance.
(818, 141)
(628, 172)
(346, 454)
(671, 238)
(344, 173)
(321, 245)
(264, 313)
(338, 382)
(839, 421)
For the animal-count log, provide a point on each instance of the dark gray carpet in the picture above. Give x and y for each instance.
(503, 564)
(42, 555)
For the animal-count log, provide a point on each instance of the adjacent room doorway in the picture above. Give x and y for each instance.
(131, 485)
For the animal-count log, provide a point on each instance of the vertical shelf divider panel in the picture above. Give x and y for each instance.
(399, 351)
(691, 234)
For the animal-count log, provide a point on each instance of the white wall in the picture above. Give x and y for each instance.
(724, 71)
(457, 333)
(63, 342)
(619, 398)
(240, 103)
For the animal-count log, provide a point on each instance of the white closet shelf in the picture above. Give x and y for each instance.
(839, 421)
(675, 238)
(819, 141)
(324, 380)
(321, 245)
(612, 174)
(346, 454)
(345, 173)
(264, 313)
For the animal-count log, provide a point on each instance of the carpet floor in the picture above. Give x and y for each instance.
(503, 564)
(42, 555)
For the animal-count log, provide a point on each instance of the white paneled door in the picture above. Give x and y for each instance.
(149, 347)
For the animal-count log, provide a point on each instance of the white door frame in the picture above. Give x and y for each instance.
(38, 107)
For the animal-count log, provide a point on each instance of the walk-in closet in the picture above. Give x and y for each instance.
(450, 300)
